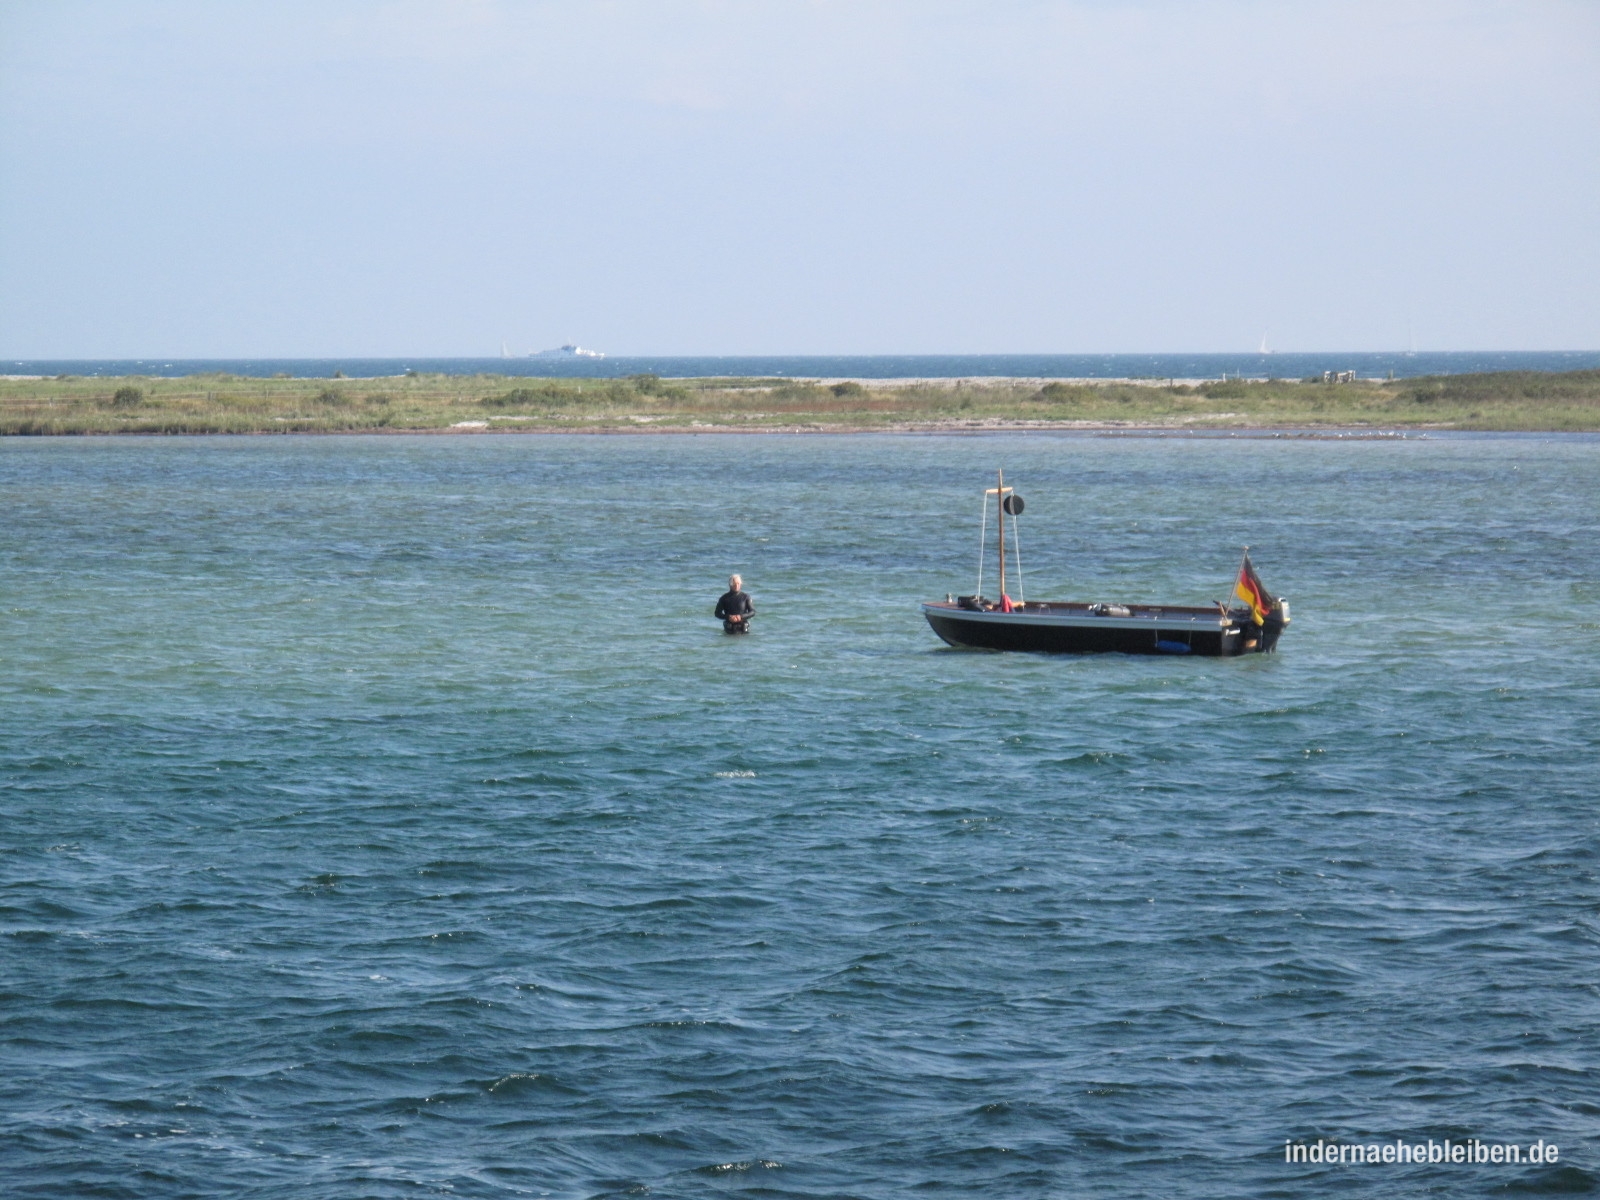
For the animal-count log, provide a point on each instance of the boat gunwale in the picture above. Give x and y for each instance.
(1077, 614)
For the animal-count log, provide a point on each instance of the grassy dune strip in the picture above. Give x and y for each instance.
(235, 404)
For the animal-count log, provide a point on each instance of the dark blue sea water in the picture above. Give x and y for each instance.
(387, 817)
(876, 366)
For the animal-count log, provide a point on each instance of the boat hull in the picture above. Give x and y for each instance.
(1075, 629)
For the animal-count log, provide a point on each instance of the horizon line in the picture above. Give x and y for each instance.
(609, 356)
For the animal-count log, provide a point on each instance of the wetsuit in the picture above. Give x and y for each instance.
(735, 604)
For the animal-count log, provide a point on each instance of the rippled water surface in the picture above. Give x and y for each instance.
(387, 817)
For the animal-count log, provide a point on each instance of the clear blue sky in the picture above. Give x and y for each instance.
(188, 178)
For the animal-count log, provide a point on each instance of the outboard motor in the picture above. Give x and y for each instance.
(1272, 628)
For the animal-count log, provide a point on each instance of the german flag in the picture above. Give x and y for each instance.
(1249, 589)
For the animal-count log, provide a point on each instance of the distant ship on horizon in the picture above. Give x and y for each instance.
(568, 351)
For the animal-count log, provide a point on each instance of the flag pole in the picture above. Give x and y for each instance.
(1233, 591)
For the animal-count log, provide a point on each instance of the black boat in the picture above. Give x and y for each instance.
(1250, 626)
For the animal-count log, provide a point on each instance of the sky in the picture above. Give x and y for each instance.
(386, 177)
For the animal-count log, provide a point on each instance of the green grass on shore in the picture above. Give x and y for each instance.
(1520, 400)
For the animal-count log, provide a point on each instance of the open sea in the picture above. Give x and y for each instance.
(388, 817)
(1299, 365)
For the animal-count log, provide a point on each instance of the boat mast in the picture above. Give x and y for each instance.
(1000, 500)
(1000, 507)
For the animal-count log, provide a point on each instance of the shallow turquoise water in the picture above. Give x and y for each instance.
(388, 817)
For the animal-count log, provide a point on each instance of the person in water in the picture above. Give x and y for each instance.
(735, 608)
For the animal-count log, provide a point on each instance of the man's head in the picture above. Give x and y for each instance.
(734, 583)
